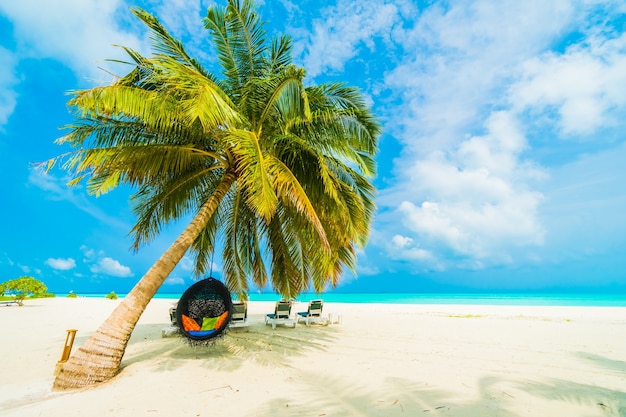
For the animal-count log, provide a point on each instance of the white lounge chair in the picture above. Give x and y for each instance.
(281, 315)
(313, 313)
(172, 329)
(239, 318)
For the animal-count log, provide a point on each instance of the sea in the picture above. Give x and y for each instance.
(513, 299)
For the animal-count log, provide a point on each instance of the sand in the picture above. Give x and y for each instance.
(382, 360)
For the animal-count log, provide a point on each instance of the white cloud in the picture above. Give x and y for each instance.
(337, 37)
(56, 189)
(61, 264)
(458, 60)
(465, 187)
(186, 264)
(404, 248)
(109, 266)
(174, 280)
(81, 34)
(401, 241)
(88, 253)
(362, 270)
(481, 89)
(474, 200)
(585, 85)
(7, 259)
(183, 20)
(8, 79)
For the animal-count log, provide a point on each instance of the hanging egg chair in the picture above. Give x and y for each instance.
(204, 310)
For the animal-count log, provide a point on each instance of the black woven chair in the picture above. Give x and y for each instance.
(208, 298)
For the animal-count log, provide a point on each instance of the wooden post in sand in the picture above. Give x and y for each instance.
(67, 349)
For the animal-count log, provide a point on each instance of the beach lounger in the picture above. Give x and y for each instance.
(313, 313)
(173, 314)
(172, 329)
(281, 315)
(239, 318)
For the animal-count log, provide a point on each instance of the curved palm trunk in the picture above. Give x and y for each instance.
(99, 358)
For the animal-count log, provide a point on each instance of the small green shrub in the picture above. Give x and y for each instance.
(45, 295)
(72, 295)
(111, 296)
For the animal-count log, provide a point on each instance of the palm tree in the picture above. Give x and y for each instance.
(276, 171)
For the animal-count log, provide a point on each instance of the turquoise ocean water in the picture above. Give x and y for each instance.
(598, 300)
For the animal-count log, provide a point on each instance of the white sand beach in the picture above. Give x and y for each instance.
(382, 360)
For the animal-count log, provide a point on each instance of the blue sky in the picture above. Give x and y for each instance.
(502, 165)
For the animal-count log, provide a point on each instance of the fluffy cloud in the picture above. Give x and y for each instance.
(61, 264)
(476, 82)
(90, 27)
(586, 85)
(347, 26)
(79, 34)
(109, 266)
(474, 200)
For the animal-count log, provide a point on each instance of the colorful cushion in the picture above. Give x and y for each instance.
(201, 333)
(221, 319)
(189, 324)
(208, 323)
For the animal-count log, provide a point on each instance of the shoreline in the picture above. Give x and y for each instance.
(490, 299)
(384, 359)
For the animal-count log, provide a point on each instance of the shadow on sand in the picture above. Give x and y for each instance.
(501, 396)
(257, 343)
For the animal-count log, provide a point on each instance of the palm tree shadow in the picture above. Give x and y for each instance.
(400, 397)
(608, 363)
(611, 402)
(258, 344)
(394, 397)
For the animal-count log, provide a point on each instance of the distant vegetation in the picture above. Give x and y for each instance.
(45, 295)
(22, 287)
(111, 296)
(72, 295)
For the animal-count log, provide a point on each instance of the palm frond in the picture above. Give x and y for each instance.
(288, 98)
(280, 55)
(215, 22)
(165, 43)
(253, 172)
